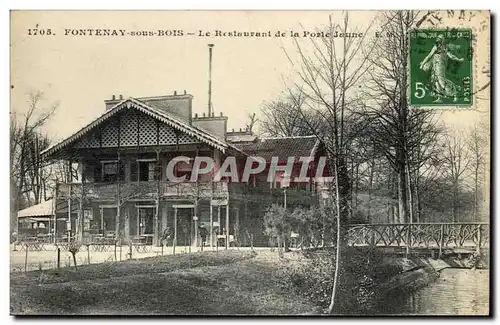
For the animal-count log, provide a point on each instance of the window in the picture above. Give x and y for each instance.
(145, 170)
(112, 171)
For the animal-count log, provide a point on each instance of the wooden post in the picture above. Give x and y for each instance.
(408, 240)
(441, 240)
(211, 224)
(54, 211)
(479, 239)
(218, 220)
(88, 253)
(120, 250)
(118, 199)
(227, 224)
(58, 257)
(251, 241)
(130, 249)
(82, 197)
(101, 210)
(68, 227)
(175, 229)
(26, 258)
(70, 179)
(115, 252)
(156, 230)
(195, 228)
(279, 247)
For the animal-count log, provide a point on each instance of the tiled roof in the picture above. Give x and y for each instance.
(241, 138)
(301, 146)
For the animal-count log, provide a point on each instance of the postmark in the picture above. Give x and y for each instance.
(441, 68)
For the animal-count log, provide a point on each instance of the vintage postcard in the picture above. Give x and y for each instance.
(250, 163)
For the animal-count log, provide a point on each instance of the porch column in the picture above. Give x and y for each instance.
(127, 224)
(164, 217)
(156, 219)
(54, 211)
(68, 222)
(175, 229)
(81, 221)
(70, 179)
(220, 226)
(237, 225)
(227, 224)
(118, 198)
(211, 224)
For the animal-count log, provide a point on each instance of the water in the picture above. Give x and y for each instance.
(456, 292)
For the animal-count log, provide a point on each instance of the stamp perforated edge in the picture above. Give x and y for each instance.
(474, 67)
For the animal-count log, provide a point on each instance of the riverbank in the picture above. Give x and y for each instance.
(369, 278)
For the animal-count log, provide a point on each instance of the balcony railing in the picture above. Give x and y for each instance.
(130, 190)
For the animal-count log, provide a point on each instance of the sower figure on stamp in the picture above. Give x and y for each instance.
(437, 61)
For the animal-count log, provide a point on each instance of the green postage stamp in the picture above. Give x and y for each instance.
(441, 68)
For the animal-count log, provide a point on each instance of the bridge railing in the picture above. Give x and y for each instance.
(415, 235)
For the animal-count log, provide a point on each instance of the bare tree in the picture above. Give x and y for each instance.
(28, 175)
(328, 78)
(477, 142)
(458, 160)
(406, 137)
(286, 116)
(252, 120)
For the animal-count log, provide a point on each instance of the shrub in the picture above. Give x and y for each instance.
(312, 277)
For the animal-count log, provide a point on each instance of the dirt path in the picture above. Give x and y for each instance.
(247, 286)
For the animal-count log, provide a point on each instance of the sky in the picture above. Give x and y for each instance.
(80, 72)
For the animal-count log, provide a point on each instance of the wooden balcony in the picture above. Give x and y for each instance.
(143, 190)
(266, 196)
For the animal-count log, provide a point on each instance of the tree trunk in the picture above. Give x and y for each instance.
(402, 198)
(74, 261)
(370, 188)
(342, 198)
(476, 194)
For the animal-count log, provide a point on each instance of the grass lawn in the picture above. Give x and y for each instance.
(228, 282)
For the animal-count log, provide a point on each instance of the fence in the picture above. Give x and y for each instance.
(416, 235)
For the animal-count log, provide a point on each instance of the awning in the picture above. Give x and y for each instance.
(43, 209)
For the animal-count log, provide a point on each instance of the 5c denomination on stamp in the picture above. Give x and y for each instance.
(441, 68)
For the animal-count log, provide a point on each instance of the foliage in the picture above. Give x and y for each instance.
(312, 277)
(313, 225)
(277, 221)
(73, 248)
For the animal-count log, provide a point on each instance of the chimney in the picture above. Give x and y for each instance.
(185, 92)
(232, 130)
(210, 46)
(241, 130)
(195, 115)
(113, 97)
(203, 114)
(175, 92)
(213, 114)
(121, 97)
